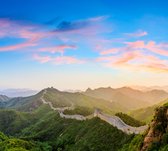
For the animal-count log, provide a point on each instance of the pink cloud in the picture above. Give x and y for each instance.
(58, 49)
(158, 49)
(58, 60)
(84, 30)
(109, 51)
(18, 46)
(135, 45)
(151, 46)
(66, 60)
(135, 61)
(13, 29)
(126, 58)
(41, 59)
(138, 33)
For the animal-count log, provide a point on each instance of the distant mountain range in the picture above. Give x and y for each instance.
(146, 114)
(128, 97)
(4, 98)
(18, 92)
(149, 88)
(109, 100)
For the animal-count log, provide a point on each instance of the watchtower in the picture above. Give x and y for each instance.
(97, 112)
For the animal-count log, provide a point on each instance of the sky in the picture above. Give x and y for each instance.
(72, 44)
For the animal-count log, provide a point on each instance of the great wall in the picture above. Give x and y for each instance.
(112, 120)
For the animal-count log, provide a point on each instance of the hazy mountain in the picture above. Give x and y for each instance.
(60, 99)
(4, 98)
(18, 92)
(107, 99)
(146, 114)
(24, 103)
(128, 96)
(149, 88)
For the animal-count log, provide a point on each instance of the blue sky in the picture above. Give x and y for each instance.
(72, 44)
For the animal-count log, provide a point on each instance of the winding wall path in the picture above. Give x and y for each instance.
(113, 120)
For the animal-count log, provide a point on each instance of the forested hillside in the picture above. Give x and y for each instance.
(45, 127)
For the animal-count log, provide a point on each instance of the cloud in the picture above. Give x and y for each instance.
(161, 49)
(66, 60)
(81, 24)
(135, 45)
(109, 51)
(83, 28)
(50, 46)
(58, 49)
(137, 55)
(18, 46)
(13, 29)
(53, 21)
(58, 60)
(150, 46)
(67, 26)
(138, 33)
(41, 59)
(135, 61)
(34, 35)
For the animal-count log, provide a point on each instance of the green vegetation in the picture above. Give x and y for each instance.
(12, 121)
(134, 145)
(92, 135)
(80, 110)
(57, 98)
(46, 129)
(14, 144)
(61, 99)
(158, 133)
(27, 104)
(129, 120)
(146, 114)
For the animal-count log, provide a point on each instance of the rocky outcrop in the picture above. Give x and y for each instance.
(158, 127)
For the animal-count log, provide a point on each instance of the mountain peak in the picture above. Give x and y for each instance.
(88, 89)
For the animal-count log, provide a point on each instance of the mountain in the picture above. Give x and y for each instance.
(108, 100)
(128, 97)
(31, 123)
(64, 99)
(146, 114)
(4, 98)
(59, 98)
(24, 103)
(18, 92)
(149, 88)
